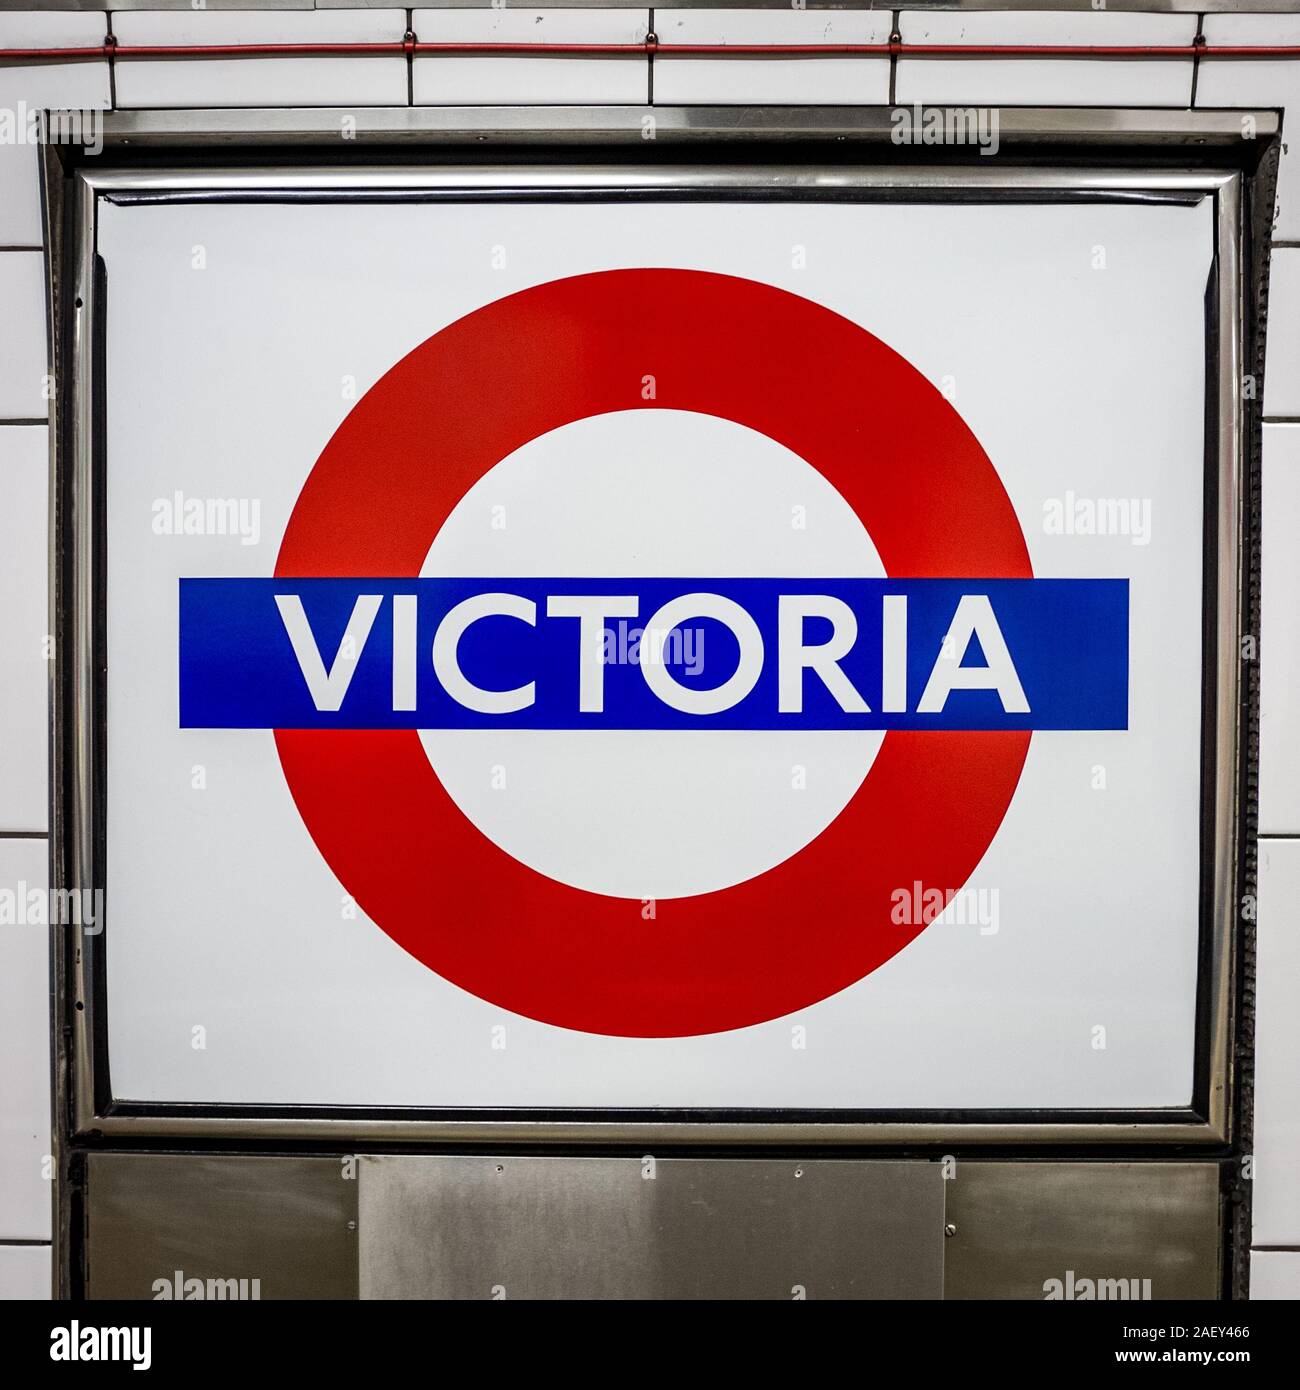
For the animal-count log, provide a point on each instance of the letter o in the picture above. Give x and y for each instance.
(741, 681)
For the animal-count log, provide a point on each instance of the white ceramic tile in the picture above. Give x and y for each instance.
(51, 29)
(1282, 354)
(1279, 752)
(1277, 1047)
(1045, 81)
(26, 1192)
(24, 1272)
(1274, 1274)
(543, 79)
(285, 81)
(24, 670)
(20, 196)
(22, 336)
(826, 81)
(1259, 83)
(70, 85)
(25, 88)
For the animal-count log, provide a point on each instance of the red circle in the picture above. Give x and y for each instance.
(517, 368)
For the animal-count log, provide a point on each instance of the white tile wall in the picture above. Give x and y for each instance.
(1282, 353)
(1279, 758)
(26, 1193)
(1047, 81)
(1277, 1047)
(1275, 1274)
(24, 1272)
(543, 79)
(22, 336)
(24, 669)
(828, 81)
(358, 81)
(286, 81)
(25, 87)
(1258, 82)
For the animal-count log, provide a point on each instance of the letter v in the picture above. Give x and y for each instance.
(328, 687)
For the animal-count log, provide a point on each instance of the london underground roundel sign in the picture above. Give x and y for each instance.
(367, 648)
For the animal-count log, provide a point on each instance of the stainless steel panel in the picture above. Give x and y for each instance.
(504, 1227)
(1019, 1225)
(616, 181)
(562, 1227)
(585, 125)
(289, 1223)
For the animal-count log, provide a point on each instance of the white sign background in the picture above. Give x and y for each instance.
(227, 381)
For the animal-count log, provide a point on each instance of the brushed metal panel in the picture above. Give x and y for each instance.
(613, 125)
(1019, 1225)
(506, 1227)
(283, 1221)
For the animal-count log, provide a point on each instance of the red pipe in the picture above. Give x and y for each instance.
(651, 46)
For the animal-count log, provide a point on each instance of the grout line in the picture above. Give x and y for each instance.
(1199, 42)
(1280, 420)
(24, 835)
(20, 248)
(24, 420)
(112, 65)
(895, 36)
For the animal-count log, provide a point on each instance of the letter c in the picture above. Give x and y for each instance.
(446, 653)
